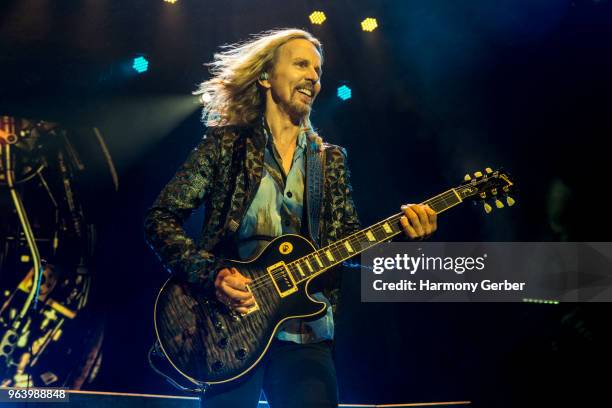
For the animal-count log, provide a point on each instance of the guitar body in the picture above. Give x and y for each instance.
(206, 342)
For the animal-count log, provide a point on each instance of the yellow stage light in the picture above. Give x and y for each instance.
(317, 17)
(369, 24)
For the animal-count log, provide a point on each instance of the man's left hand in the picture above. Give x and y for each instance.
(419, 221)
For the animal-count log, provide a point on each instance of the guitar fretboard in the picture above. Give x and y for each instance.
(323, 259)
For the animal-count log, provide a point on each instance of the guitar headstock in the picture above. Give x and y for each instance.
(489, 187)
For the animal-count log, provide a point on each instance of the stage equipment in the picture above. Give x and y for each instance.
(344, 92)
(48, 336)
(317, 17)
(369, 24)
(140, 65)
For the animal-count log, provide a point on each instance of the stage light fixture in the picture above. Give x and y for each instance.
(344, 92)
(369, 24)
(170, 1)
(140, 64)
(317, 17)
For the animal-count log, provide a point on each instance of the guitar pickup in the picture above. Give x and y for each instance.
(282, 279)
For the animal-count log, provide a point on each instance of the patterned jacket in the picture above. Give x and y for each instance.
(223, 173)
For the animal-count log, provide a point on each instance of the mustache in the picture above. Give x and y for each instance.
(307, 85)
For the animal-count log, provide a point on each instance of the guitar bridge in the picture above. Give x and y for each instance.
(282, 279)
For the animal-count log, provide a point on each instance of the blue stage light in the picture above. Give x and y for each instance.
(344, 92)
(140, 64)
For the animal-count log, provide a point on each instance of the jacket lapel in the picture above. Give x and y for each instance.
(248, 182)
(255, 150)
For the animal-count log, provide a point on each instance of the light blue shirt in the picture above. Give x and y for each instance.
(277, 209)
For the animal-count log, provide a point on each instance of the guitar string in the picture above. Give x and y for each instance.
(319, 252)
(434, 201)
(263, 280)
(443, 197)
(335, 249)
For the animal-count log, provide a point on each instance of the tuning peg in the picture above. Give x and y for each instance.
(499, 204)
(478, 174)
(510, 201)
(467, 177)
(487, 207)
(488, 170)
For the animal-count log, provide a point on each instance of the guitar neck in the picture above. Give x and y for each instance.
(325, 258)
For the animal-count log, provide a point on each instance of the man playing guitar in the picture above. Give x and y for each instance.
(255, 173)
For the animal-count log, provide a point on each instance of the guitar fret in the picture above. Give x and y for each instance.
(339, 252)
(291, 271)
(318, 260)
(379, 233)
(360, 242)
(357, 242)
(382, 231)
(436, 207)
(299, 268)
(444, 201)
(397, 226)
(348, 246)
(311, 269)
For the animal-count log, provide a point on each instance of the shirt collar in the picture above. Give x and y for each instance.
(301, 139)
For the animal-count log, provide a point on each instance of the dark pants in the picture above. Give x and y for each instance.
(291, 375)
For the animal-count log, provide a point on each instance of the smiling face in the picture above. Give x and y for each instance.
(295, 80)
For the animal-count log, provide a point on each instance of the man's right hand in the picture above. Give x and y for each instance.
(231, 290)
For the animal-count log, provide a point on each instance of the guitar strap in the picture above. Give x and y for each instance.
(314, 190)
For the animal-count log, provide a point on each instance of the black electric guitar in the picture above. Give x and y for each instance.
(207, 343)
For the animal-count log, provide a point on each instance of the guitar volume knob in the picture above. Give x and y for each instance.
(241, 354)
(223, 342)
(218, 365)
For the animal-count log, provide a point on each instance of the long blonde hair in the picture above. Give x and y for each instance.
(232, 95)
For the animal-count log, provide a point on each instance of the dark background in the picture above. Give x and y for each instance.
(440, 89)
